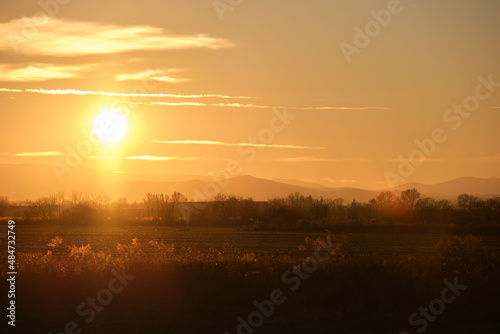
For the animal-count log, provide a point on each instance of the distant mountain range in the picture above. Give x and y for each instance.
(471, 185)
(28, 181)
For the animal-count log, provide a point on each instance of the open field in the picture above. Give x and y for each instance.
(238, 241)
(202, 279)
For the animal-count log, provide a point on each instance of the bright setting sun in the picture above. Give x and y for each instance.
(110, 125)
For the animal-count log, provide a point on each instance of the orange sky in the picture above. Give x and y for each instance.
(203, 87)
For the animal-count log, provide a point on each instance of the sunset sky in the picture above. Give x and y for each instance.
(195, 79)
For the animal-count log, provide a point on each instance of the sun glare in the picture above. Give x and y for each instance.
(110, 126)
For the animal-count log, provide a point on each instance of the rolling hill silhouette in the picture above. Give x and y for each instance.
(28, 181)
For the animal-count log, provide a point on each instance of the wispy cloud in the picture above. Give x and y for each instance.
(73, 38)
(86, 92)
(154, 75)
(221, 143)
(305, 159)
(43, 72)
(422, 159)
(320, 159)
(37, 154)
(201, 104)
(180, 96)
(156, 158)
(340, 108)
(38, 72)
(11, 90)
(356, 159)
(145, 157)
(251, 105)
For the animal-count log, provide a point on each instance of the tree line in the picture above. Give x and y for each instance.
(293, 211)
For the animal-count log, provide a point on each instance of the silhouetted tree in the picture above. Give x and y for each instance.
(385, 205)
(410, 198)
(156, 205)
(4, 204)
(174, 206)
(337, 209)
(163, 207)
(102, 202)
(352, 211)
(44, 208)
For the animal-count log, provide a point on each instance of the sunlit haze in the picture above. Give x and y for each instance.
(361, 93)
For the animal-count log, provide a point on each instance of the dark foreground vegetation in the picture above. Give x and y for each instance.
(169, 289)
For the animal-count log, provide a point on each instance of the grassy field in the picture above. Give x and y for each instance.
(35, 239)
(200, 280)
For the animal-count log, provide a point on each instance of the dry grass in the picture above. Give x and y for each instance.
(186, 288)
